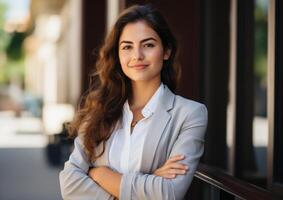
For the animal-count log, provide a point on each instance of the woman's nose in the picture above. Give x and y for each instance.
(138, 54)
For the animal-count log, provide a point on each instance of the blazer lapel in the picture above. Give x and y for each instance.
(158, 124)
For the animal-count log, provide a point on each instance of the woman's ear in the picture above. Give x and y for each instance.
(167, 54)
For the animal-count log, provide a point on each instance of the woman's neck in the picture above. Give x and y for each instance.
(141, 93)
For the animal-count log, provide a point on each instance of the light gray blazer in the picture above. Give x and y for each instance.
(178, 127)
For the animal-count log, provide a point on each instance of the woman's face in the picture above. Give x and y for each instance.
(141, 52)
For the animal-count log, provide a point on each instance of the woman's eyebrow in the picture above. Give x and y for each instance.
(142, 41)
(127, 42)
(150, 38)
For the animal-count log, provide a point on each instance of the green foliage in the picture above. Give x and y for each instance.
(12, 68)
(4, 37)
(260, 43)
(14, 49)
(11, 47)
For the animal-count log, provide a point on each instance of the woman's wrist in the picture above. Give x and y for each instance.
(95, 173)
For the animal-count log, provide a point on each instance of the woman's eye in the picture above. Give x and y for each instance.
(149, 45)
(126, 47)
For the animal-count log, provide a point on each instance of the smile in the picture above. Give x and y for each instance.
(139, 66)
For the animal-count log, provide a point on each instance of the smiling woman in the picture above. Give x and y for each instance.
(135, 139)
(142, 55)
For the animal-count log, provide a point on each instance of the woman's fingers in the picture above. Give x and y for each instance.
(177, 171)
(172, 168)
(175, 158)
(172, 173)
(177, 166)
(169, 176)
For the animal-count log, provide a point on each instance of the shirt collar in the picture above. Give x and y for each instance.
(151, 105)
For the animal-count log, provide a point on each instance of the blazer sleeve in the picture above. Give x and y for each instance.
(190, 143)
(74, 180)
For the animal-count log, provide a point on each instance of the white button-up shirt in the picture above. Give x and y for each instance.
(126, 148)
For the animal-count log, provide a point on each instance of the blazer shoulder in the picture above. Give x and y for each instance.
(190, 112)
(187, 104)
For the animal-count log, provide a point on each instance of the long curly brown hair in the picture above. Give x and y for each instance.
(101, 106)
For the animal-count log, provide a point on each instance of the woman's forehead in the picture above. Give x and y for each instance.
(137, 32)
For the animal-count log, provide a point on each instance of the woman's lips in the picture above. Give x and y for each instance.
(140, 66)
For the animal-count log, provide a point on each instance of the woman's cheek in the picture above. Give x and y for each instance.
(124, 59)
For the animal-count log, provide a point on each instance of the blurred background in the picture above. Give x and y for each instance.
(39, 87)
(48, 49)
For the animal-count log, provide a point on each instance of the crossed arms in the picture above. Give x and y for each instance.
(77, 181)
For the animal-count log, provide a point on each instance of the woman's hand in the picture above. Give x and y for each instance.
(171, 168)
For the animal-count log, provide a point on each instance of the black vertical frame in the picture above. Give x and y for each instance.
(278, 134)
(275, 96)
(214, 65)
(241, 152)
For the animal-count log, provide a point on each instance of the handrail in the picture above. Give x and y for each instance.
(232, 185)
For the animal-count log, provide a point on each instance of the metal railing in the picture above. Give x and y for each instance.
(224, 186)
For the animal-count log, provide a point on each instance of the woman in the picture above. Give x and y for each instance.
(136, 138)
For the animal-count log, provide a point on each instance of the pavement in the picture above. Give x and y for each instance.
(25, 174)
(24, 170)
